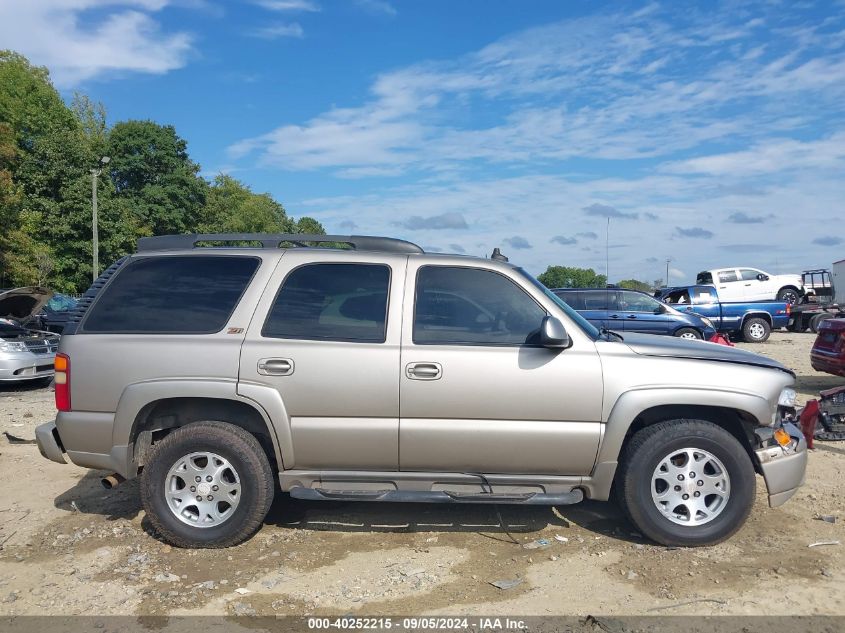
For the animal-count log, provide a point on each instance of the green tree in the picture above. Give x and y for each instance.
(634, 284)
(231, 207)
(151, 170)
(567, 277)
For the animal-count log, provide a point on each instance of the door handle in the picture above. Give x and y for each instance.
(747, 285)
(614, 316)
(275, 366)
(632, 316)
(424, 371)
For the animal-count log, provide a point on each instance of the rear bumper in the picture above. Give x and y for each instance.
(55, 442)
(49, 443)
(783, 468)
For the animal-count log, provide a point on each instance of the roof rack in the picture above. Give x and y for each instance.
(275, 240)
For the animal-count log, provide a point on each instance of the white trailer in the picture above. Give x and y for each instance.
(837, 276)
(810, 315)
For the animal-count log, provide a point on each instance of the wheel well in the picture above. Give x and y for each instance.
(156, 419)
(789, 287)
(740, 424)
(757, 315)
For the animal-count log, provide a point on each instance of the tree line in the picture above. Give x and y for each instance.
(569, 277)
(150, 185)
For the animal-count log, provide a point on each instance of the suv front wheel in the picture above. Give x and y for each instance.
(686, 482)
(207, 484)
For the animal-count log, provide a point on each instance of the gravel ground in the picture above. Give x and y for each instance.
(69, 547)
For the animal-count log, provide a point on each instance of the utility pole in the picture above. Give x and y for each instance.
(666, 282)
(607, 253)
(95, 247)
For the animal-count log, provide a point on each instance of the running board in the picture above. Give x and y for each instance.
(428, 496)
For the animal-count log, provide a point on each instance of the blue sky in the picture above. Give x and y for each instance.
(709, 133)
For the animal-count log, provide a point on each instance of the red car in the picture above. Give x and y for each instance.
(828, 353)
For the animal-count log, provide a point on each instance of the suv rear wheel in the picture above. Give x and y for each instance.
(686, 483)
(207, 484)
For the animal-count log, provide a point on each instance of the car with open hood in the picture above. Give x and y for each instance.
(218, 368)
(25, 353)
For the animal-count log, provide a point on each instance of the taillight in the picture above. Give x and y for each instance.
(62, 380)
(788, 309)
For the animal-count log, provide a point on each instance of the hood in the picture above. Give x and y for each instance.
(22, 303)
(653, 345)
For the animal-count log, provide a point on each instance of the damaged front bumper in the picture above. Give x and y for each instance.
(783, 467)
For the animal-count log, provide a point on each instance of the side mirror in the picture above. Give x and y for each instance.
(661, 309)
(762, 277)
(553, 334)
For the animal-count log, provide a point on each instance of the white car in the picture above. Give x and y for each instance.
(751, 284)
(25, 354)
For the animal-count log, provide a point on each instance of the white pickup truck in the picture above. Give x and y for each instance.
(751, 284)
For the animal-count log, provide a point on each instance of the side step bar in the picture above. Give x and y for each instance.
(428, 496)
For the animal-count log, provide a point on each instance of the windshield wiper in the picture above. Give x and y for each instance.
(609, 333)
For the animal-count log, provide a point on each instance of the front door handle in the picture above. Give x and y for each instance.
(632, 316)
(275, 366)
(424, 371)
(614, 316)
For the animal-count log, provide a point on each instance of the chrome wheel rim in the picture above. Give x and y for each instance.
(688, 335)
(690, 487)
(757, 331)
(202, 489)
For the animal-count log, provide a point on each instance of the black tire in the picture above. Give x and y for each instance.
(249, 461)
(756, 330)
(689, 332)
(790, 295)
(817, 319)
(645, 451)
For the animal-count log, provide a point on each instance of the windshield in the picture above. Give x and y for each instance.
(585, 325)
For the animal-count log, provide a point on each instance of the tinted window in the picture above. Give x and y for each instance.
(637, 302)
(704, 278)
(600, 300)
(727, 275)
(472, 306)
(338, 302)
(574, 300)
(193, 294)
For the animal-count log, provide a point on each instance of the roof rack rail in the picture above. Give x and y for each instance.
(275, 240)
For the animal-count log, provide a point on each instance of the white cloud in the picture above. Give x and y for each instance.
(377, 7)
(289, 5)
(111, 36)
(607, 86)
(275, 31)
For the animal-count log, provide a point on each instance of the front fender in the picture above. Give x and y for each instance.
(632, 404)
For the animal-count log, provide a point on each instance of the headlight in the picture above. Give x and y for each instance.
(787, 397)
(10, 346)
(708, 322)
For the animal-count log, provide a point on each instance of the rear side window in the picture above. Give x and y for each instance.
(704, 278)
(334, 302)
(726, 276)
(704, 295)
(600, 300)
(193, 294)
(574, 300)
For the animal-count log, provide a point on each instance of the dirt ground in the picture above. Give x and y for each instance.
(67, 546)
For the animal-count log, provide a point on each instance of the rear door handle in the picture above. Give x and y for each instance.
(614, 316)
(275, 366)
(632, 316)
(424, 371)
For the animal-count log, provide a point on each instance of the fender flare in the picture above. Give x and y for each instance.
(138, 395)
(633, 403)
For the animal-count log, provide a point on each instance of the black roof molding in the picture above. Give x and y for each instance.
(275, 240)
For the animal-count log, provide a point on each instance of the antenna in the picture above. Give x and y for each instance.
(607, 253)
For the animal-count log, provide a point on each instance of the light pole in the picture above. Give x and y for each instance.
(95, 248)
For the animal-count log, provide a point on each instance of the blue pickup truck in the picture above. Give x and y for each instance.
(755, 321)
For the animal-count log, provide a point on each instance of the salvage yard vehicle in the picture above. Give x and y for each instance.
(825, 301)
(828, 353)
(751, 284)
(25, 353)
(634, 311)
(754, 321)
(380, 372)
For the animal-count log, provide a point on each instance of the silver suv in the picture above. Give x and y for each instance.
(367, 369)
